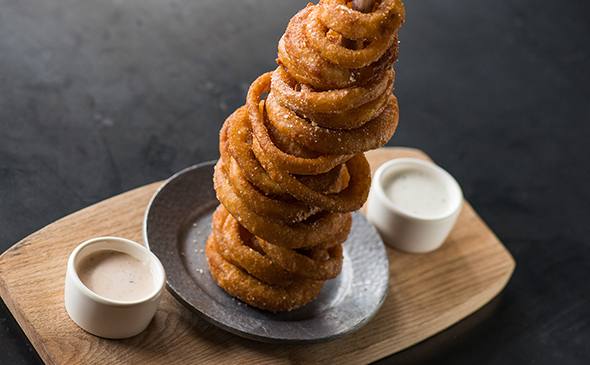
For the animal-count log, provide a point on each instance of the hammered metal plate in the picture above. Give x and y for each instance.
(176, 226)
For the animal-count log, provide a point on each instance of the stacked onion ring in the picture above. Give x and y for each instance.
(292, 166)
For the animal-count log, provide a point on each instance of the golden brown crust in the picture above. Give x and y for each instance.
(285, 161)
(321, 264)
(231, 244)
(253, 291)
(336, 15)
(319, 229)
(292, 164)
(291, 211)
(371, 135)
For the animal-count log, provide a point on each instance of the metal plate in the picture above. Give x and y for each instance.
(176, 226)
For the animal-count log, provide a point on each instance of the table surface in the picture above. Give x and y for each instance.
(98, 97)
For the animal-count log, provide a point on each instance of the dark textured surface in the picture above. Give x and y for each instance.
(97, 97)
(176, 227)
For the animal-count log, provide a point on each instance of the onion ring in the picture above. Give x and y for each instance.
(349, 199)
(232, 247)
(316, 230)
(351, 119)
(340, 55)
(371, 135)
(292, 166)
(237, 140)
(304, 62)
(290, 212)
(290, 163)
(358, 25)
(325, 101)
(322, 268)
(254, 292)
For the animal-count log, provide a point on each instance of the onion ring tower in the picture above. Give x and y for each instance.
(292, 166)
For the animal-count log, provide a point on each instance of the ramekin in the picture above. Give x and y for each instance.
(105, 317)
(404, 230)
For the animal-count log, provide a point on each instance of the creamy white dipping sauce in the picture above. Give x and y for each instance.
(418, 193)
(116, 275)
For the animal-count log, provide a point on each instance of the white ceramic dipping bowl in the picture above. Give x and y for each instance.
(406, 230)
(103, 316)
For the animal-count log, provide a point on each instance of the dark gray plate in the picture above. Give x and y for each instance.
(176, 226)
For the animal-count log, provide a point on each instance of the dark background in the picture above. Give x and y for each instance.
(100, 96)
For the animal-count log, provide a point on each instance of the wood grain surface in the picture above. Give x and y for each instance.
(428, 293)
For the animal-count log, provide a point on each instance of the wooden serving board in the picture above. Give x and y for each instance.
(428, 293)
